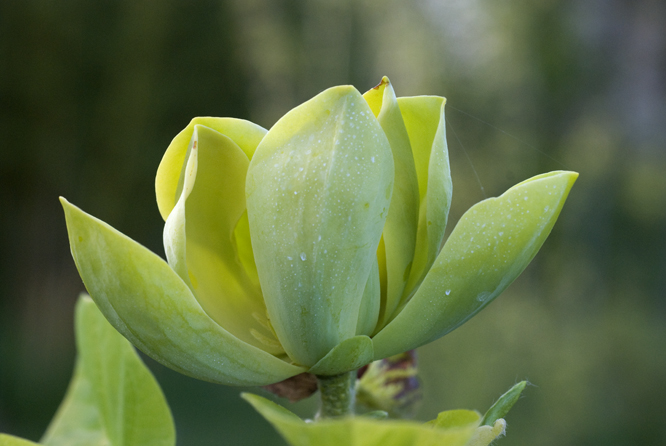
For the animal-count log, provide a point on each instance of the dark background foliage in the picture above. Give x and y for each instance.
(91, 93)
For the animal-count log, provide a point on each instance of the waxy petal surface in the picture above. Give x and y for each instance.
(149, 304)
(244, 133)
(318, 192)
(491, 245)
(399, 233)
(370, 304)
(200, 240)
(426, 126)
(350, 354)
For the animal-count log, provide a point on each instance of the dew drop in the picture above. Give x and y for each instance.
(303, 256)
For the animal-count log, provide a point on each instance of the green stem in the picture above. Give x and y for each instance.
(337, 393)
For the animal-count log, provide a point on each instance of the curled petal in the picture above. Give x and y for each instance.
(491, 245)
(426, 126)
(399, 233)
(200, 238)
(244, 133)
(146, 301)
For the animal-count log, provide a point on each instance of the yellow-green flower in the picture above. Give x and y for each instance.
(314, 246)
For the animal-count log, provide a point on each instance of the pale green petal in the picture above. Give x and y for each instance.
(150, 305)
(426, 126)
(484, 435)
(503, 404)
(403, 217)
(10, 440)
(350, 354)
(200, 239)
(244, 133)
(169, 180)
(318, 191)
(370, 304)
(491, 245)
(357, 431)
(113, 398)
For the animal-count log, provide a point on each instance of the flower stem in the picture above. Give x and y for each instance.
(337, 393)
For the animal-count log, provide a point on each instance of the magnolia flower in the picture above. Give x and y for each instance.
(312, 247)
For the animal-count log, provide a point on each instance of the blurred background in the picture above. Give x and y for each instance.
(91, 93)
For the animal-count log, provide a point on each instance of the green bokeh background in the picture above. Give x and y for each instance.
(91, 93)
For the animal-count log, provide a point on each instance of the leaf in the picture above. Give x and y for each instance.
(318, 191)
(491, 245)
(10, 440)
(149, 304)
(456, 418)
(484, 435)
(113, 398)
(503, 404)
(360, 430)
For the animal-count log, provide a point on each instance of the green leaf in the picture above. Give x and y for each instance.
(456, 418)
(113, 398)
(149, 304)
(503, 404)
(491, 245)
(318, 192)
(360, 430)
(401, 224)
(10, 440)
(484, 435)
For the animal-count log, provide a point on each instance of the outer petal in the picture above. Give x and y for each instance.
(199, 238)
(244, 133)
(350, 354)
(424, 119)
(318, 191)
(150, 305)
(403, 217)
(491, 245)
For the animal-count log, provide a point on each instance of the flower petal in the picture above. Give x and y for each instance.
(369, 312)
(318, 191)
(426, 126)
(244, 133)
(403, 216)
(491, 245)
(350, 354)
(200, 244)
(150, 305)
